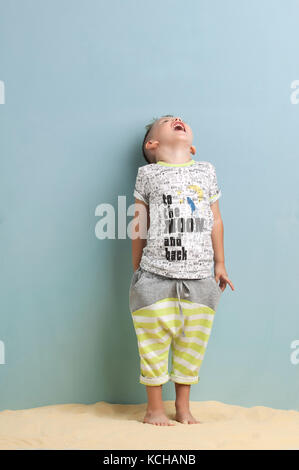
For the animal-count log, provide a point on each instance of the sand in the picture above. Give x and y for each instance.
(105, 426)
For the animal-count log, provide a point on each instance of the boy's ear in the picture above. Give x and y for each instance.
(193, 149)
(151, 144)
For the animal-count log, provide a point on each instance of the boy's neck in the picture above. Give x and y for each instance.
(190, 161)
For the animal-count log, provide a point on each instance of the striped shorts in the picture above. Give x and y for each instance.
(170, 311)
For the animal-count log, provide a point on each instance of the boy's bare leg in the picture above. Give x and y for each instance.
(155, 413)
(183, 413)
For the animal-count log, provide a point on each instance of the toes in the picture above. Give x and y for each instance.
(158, 423)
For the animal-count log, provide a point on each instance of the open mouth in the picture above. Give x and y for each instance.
(178, 126)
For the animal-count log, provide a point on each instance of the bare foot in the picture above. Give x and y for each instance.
(157, 417)
(184, 416)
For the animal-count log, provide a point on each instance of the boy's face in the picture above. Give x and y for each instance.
(169, 130)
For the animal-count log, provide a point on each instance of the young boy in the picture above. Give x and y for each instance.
(179, 235)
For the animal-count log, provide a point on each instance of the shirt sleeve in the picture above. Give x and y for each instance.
(141, 190)
(214, 190)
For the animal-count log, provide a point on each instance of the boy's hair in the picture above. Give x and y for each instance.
(148, 127)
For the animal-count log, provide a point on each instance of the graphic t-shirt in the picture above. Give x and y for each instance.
(179, 243)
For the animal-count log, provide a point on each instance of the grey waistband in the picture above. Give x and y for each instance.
(147, 288)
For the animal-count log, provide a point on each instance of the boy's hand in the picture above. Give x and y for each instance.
(221, 275)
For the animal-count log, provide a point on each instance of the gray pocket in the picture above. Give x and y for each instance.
(217, 285)
(134, 293)
(137, 275)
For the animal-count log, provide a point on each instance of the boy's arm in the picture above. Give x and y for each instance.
(141, 224)
(217, 240)
(217, 230)
(217, 234)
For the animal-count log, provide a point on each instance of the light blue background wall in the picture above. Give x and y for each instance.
(82, 79)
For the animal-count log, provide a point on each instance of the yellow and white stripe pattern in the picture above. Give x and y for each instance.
(159, 326)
